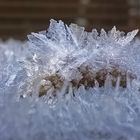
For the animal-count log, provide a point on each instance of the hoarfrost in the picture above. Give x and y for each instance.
(66, 83)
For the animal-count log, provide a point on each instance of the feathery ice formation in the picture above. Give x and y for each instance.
(69, 57)
(66, 83)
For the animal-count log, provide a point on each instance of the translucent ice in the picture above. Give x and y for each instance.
(66, 83)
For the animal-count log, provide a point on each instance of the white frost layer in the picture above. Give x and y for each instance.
(97, 113)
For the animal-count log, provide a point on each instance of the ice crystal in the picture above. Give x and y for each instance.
(66, 83)
(80, 58)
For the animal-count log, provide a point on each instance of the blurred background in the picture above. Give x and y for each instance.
(20, 17)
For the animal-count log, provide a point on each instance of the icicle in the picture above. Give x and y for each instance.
(117, 84)
(108, 83)
(70, 92)
(64, 90)
(128, 81)
(96, 84)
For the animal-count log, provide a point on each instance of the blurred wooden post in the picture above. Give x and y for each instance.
(82, 10)
(134, 12)
(20, 17)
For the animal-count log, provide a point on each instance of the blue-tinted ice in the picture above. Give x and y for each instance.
(100, 113)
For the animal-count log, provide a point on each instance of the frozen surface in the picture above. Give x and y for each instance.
(101, 113)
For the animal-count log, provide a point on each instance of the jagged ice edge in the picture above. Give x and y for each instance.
(88, 115)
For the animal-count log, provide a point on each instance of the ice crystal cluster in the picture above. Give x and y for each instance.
(66, 83)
